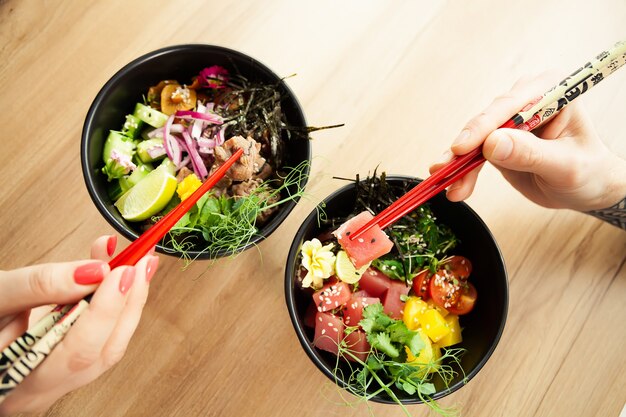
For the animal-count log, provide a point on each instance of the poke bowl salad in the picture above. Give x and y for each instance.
(177, 130)
(405, 315)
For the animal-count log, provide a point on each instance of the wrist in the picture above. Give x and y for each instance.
(614, 186)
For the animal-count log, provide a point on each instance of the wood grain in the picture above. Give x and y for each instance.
(403, 76)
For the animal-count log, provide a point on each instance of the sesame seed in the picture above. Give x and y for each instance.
(320, 317)
(361, 240)
(336, 330)
(330, 324)
(323, 331)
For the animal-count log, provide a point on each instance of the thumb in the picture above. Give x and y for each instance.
(53, 283)
(519, 150)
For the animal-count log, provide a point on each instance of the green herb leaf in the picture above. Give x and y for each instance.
(409, 388)
(382, 342)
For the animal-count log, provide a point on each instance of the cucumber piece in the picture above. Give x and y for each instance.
(114, 190)
(145, 133)
(132, 126)
(169, 166)
(143, 146)
(129, 181)
(150, 116)
(118, 142)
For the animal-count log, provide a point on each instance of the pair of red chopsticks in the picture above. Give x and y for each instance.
(528, 118)
(28, 351)
(140, 247)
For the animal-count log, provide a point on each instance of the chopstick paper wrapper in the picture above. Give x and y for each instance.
(22, 356)
(529, 118)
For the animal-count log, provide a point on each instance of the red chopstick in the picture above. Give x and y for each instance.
(431, 186)
(142, 245)
(51, 328)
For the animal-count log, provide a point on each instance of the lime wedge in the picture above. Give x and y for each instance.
(345, 270)
(149, 196)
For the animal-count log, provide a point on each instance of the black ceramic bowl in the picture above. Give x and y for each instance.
(118, 97)
(482, 327)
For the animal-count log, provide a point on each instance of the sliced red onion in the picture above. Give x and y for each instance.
(188, 114)
(171, 148)
(205, 150)
(158, 132)
(220, 138)
(196, 160)
(195, 129)
(206, 143)
(209, 107)
(184, 162)
(156, 151)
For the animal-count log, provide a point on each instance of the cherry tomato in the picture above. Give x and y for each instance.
(466, 301)
(421, 284)
(458, 266)
(445, 289)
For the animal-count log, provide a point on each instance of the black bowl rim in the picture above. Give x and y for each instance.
(131, 235)
(310, 350)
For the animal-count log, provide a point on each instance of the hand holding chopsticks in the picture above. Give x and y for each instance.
(27, 352)
(533, 115)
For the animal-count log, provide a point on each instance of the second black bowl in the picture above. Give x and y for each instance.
(181, 62)
(482, 327)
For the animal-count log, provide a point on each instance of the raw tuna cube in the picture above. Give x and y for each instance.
(358, 345)
(374, 282)
(361, 293)
(309, 316)
(392, 304)
(371, 245)
(328, 332)
(331, 296)
(354, 310)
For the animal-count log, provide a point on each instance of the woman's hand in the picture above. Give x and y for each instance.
(99, 337)
(563, 164)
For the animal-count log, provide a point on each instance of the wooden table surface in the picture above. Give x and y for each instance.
(403, 76)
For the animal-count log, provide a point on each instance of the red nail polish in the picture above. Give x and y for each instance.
(92, 273)
(128, 277)
(153, 263)
(111, 244)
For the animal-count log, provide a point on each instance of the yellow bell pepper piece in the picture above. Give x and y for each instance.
(414, 307)
(187, 186)
(434, 325)
(441, 310)
(428, 356)
(454, 336)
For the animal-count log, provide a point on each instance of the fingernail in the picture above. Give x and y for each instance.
(128, 277)
(151, 268)
(445, 157)
(503, 148)
(463, 137)
(111, 244)
(92, 273)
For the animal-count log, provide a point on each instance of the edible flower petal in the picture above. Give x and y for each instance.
(213, 77)
(319, 261)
